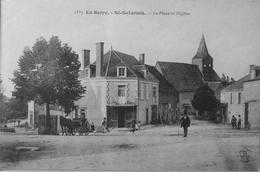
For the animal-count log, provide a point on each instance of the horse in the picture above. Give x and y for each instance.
(66, 125)
(85, 127)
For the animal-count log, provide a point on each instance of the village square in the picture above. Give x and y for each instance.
(130, 110)
(98, 87)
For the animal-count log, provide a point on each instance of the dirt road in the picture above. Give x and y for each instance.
(208, 147)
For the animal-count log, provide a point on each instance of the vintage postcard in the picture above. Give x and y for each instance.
(120, 85)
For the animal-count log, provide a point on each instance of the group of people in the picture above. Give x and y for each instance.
(85, 125)
(236, 123)
(134, 125)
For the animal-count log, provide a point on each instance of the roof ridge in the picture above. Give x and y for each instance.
(176, 63)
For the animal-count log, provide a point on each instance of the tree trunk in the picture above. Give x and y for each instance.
(48, 119)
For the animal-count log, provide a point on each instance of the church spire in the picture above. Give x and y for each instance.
(202, 51)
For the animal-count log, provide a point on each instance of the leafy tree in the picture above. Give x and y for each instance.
(49, 74)
(226, 81)
(68, 85)
(3, 107)
(204, 99)
(16, 108)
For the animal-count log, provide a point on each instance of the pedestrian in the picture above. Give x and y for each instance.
(239, 122)
(139, 125)
(233, 121)
(104, 125)
(93, 127)
(185, 123)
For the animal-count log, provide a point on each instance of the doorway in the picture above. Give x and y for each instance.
(246, 115)
(121, 118)
(147, 116)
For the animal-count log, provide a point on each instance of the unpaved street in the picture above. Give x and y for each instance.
(207, 147)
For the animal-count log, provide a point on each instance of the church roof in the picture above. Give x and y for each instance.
(202, 51)
(210, 75)
(183, 77)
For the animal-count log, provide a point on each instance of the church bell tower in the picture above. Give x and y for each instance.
(202, 57)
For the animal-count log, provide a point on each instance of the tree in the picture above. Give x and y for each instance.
(68, 85)
(49, 74)
(226, 81)
(3, 107)
(204, 99)
(16, 108)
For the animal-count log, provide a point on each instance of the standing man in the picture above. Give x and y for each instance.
(104, 125)
(239, 122)
(185, 123)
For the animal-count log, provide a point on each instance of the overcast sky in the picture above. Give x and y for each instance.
(231, 30)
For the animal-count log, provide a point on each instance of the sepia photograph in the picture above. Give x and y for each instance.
(129, 85)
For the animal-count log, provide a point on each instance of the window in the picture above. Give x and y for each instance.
(230, 98)
(121, 71)
(145, 73)
(82, 113)
(121, 91)
(239, 98)
(154, 94)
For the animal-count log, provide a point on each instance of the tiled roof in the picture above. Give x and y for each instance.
(210, 75)
(164, 85)
(238, 84)
(183, 77)
(113, 59)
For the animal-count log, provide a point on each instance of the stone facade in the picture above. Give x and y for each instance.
(252, 100)
(116, 90)
(235, 106)
(101, 100)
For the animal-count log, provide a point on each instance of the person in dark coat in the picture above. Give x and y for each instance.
(239, 122)
(185, 123)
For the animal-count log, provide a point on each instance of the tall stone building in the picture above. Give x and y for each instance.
(118, 87)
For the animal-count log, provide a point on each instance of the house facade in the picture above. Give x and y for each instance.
(116, 89)
(252, 97)
(233, 97)
(242, 98)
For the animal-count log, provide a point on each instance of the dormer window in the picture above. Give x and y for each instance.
(145, 73)
(121, 71)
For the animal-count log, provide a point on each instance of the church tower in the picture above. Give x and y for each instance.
(202, 57)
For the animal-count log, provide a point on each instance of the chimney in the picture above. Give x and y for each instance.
(85, 58)
(99, 58)
(141, 58)
(252, 72)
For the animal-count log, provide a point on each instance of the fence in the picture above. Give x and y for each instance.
(42, 124)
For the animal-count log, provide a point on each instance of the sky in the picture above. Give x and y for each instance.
(231, 29)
